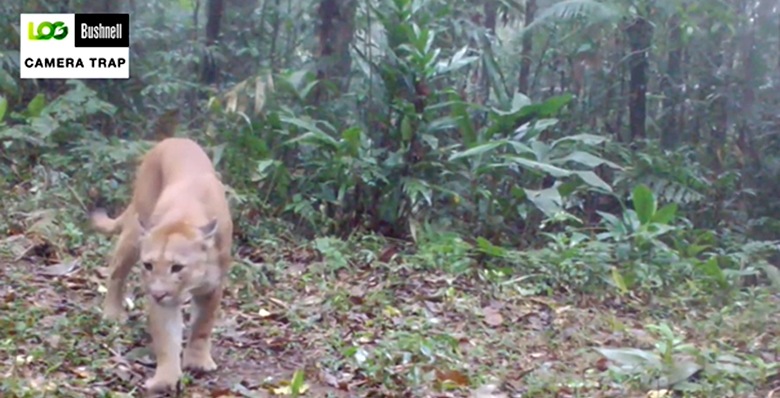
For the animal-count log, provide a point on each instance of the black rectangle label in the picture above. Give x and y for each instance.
(102, 30)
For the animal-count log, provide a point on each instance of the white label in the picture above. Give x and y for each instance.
(47, 51)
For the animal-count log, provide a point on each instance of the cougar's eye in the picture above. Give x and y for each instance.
(148, 266)
(175, 268)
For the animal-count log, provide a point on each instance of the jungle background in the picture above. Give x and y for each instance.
(432, 198)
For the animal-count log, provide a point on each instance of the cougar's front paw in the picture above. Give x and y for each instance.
(163, 382)
(114, 312)
(198, 361)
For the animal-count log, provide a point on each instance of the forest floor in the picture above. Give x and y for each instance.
(354, 329)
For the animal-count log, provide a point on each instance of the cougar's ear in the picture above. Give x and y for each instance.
(209, 231)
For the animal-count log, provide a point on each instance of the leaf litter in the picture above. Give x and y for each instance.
(374, 330)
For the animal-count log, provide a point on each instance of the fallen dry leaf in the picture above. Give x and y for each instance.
(492, 316)
(60, 269)
(452, 376)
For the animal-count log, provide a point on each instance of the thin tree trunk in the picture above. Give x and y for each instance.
(213, 22)
(337, 28)
(525, 61)
(671, 86)
(275, 36)
(639, 38)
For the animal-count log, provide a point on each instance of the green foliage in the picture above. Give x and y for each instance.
(343, 177)
(430, 143)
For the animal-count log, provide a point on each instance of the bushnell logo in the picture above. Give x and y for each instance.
(47, 30)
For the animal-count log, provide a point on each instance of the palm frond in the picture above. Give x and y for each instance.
(590, 11)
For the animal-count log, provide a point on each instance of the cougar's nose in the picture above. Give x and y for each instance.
(158, 296)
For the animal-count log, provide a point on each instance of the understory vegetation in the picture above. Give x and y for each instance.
(432, 198)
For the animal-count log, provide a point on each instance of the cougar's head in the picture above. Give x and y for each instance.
(176, 258)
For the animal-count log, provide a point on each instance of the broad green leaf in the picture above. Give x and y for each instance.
(460, 113)
(547, 109)
(302, 123)
(519, 101)
(644, 203)
(694, 250)
(654, 230)
(214, 105)
(415, 188)
(264, 164)
(440, 124)
(304, 92)
(517, 193)
(21, 133)
(294, 83)
(566, 188)
(297, 385)
(540, 151)
(610, 219)
(593, 180)
(553, 105)
(351, 137)
(538, 166)
(7, 82)
(314, 138)
(431, 140)
(488, 248)
(217, 152)
(477, 150)
(297, 78)
(36, 105)
(632, 358)
(43, 126)
(520, 148)
(536, 127)
(547, 200)
(665, 214)
(406, 129)
(773, 274)
(586, 159)
(712, 268)
(495, 76)
(430, 62)
(587, 139)
(3, 107)
(458, 60)
(619, 281)
(682, 371)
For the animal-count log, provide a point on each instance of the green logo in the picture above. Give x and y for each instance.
(47, 30)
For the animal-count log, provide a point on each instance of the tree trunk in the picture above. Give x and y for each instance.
(639, 38)
(491, 13)
(671, 86)
(213, 22)
(525, 61)
(336, 30)
(490, 9)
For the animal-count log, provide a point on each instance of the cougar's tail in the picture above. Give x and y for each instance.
(165, 125)
(107, 225)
